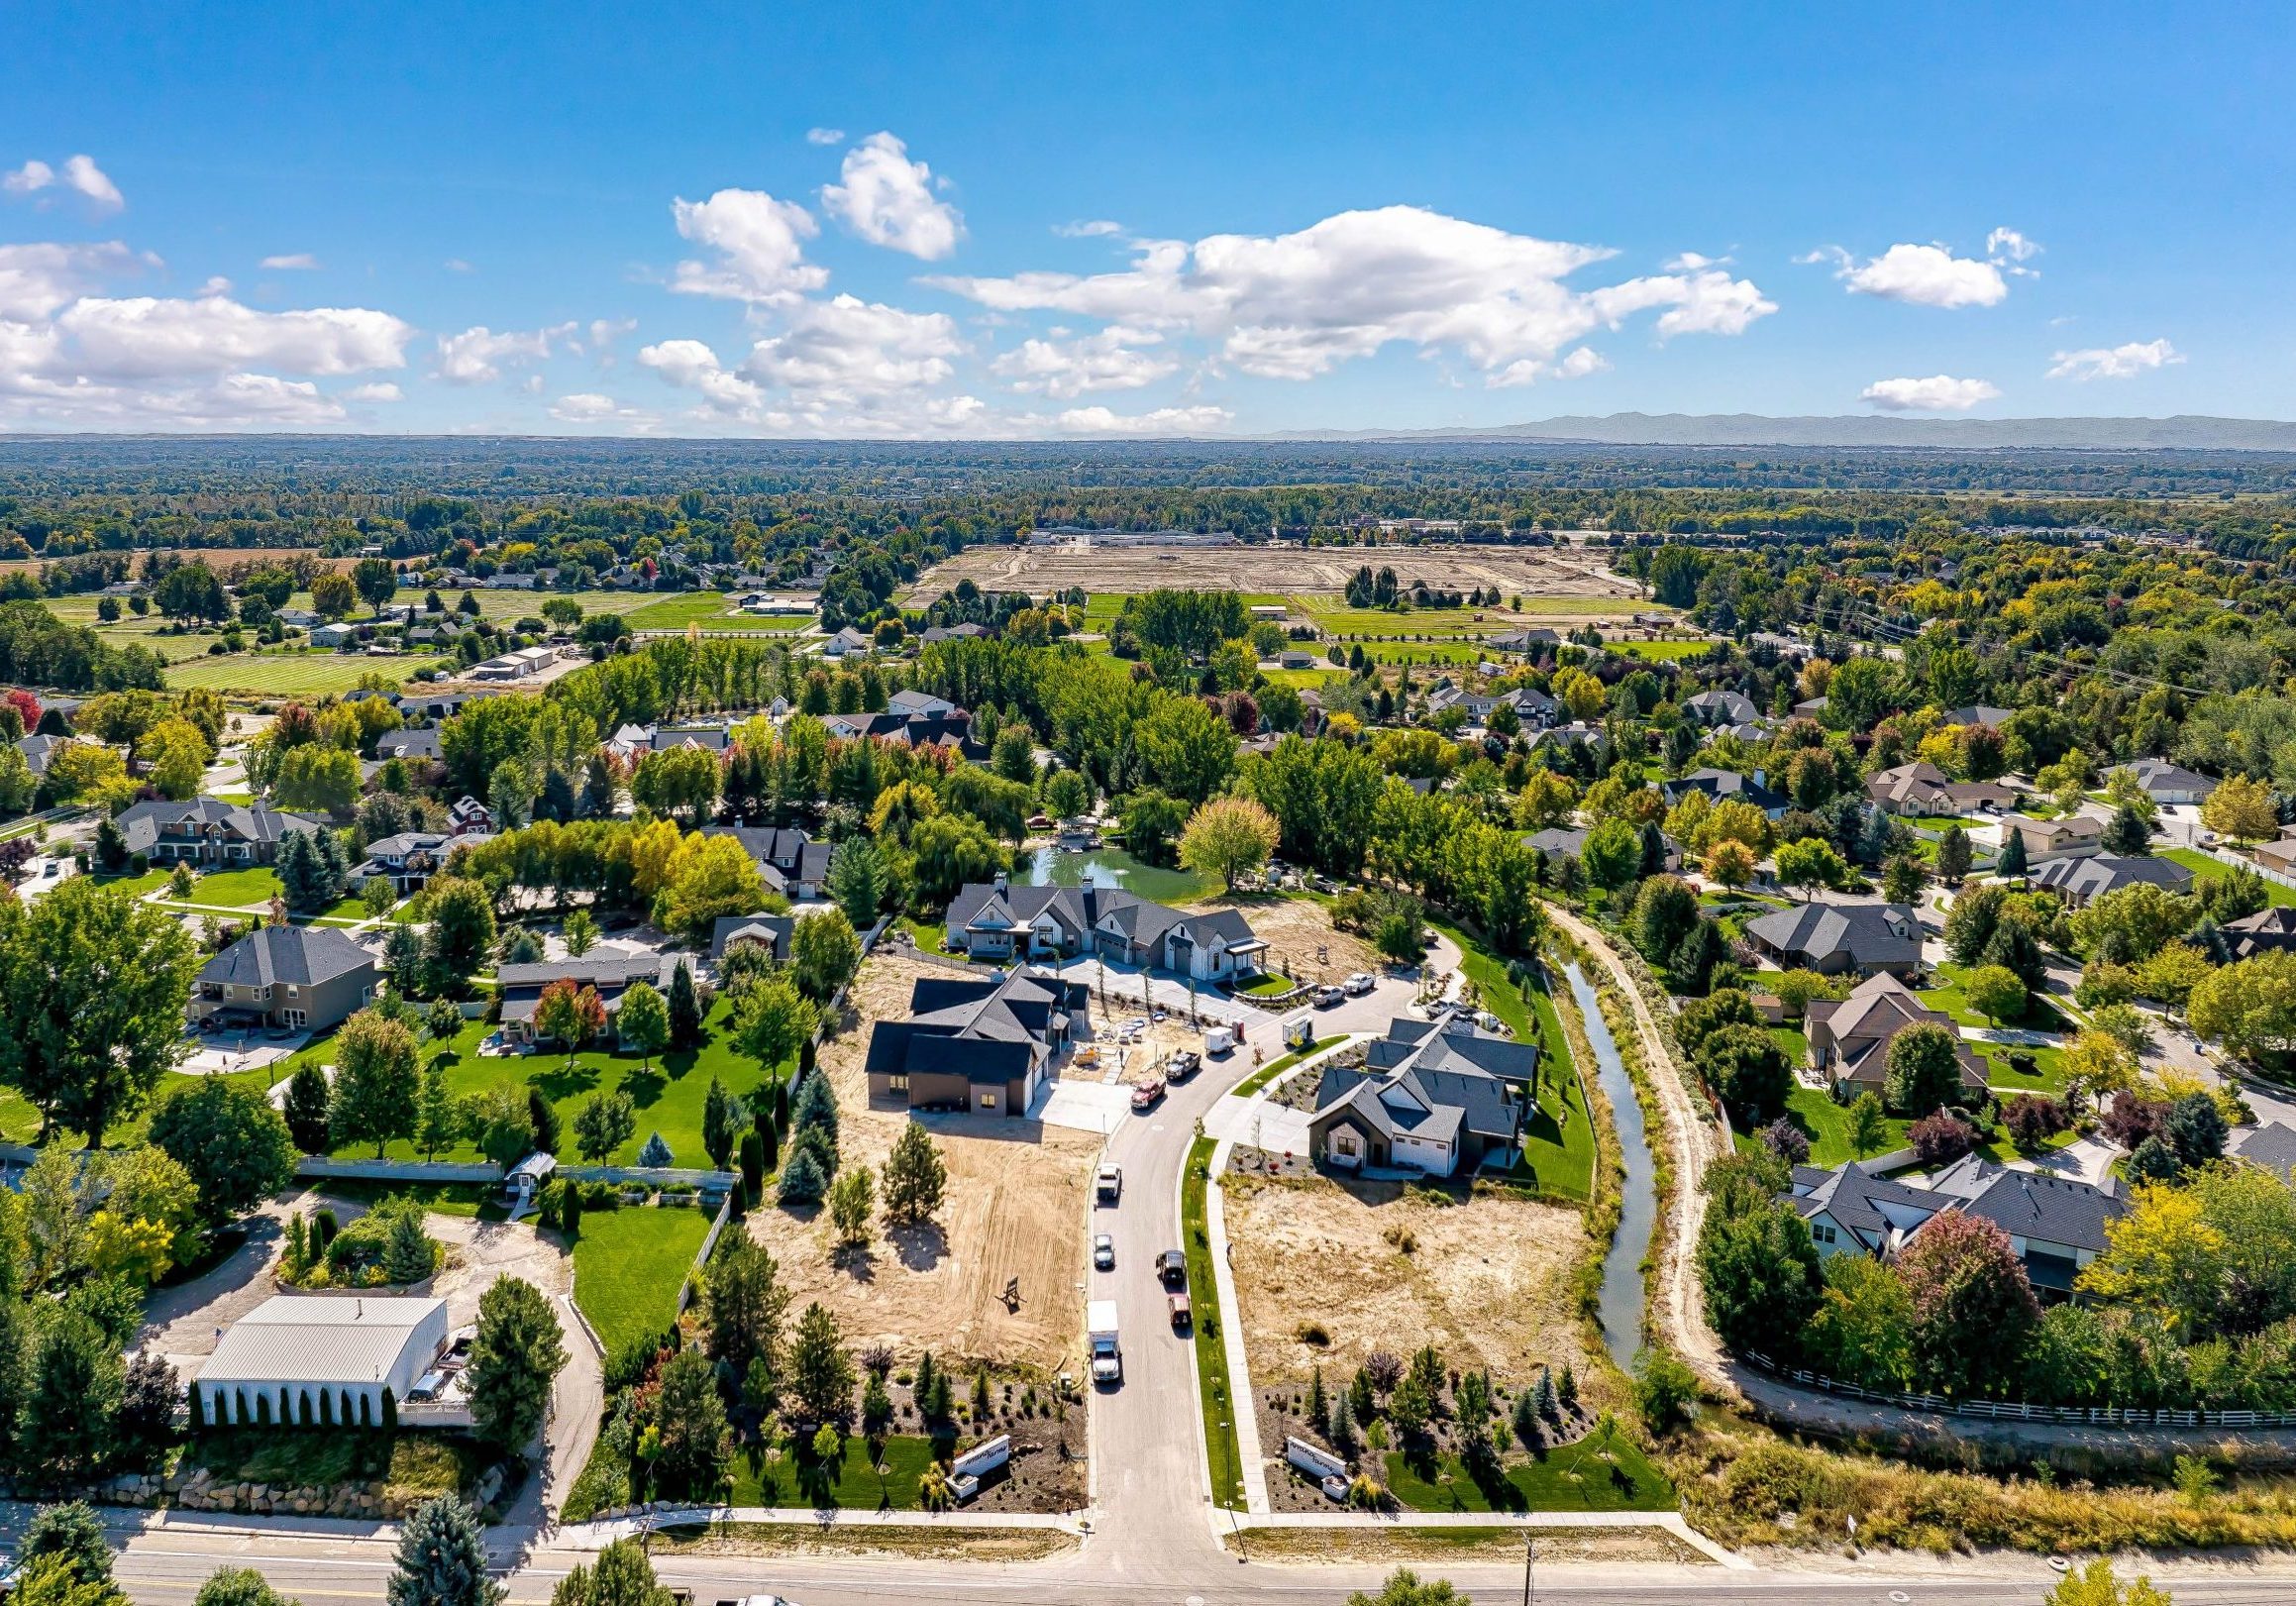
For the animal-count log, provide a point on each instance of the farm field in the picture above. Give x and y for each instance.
(1557, 576)
(291, 674)
(708, 609)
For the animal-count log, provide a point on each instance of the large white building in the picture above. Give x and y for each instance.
(321, 1359)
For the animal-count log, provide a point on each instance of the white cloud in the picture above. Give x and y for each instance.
(1940, 392)
(760, 242)
(455, 265)
(1086, 229)
(38, 278)
(2007, 245)
(888, 200)
(477, 356)
(79, 174)
(842, 366)
(1162, 421)
(1292, 306)
(374, 393)
(293, 262)
(33, 176)
(583, 408)
(826, 136)
(2115, 362)
(1923, 276)
(1106, 361)
(1581, 363)
(144, 337)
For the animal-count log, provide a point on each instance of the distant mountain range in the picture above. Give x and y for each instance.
(2186, 431)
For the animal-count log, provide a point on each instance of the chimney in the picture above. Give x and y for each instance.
(1004, 880)
(1761, 777)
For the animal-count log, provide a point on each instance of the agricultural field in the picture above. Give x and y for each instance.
(1557, 576)
(708, 609)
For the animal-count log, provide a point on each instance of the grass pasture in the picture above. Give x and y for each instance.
(710, 611)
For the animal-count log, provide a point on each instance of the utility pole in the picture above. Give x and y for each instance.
(1529, 1556)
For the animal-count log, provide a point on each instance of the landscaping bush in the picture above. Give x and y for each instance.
(2033, 1120)
(1941, 1138)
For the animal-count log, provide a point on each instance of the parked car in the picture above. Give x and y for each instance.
(1327, 995)
(1103, 1251)
(1145, 1094)
(1182, 1065)
(1172, 1269)
(1181, 1315)
(1360, 983)
(1110, 1184)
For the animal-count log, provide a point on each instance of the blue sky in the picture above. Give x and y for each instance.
(1042, 220)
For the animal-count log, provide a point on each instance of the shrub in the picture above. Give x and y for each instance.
(1941, 1138)
(2033, 1120)
(1786, 1140)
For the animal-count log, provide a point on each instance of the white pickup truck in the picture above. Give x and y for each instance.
(1108, 1356)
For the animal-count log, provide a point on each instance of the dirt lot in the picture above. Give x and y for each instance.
(1300, 929)
(217, 558)
(1549, 572)
(1488, 1282)
(1615, 1546)
(1016, 1200)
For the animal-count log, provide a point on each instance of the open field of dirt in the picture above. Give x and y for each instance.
(1488, 1282)
(1549, 573)
(1015, 1207)
(1299, 930)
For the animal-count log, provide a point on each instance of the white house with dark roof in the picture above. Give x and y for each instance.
(2166, 783)
(1721, 707)
(995, 922)
(1437, 1098)
(612, 975)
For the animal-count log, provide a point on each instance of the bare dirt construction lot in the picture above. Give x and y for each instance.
(1301, 937)
(1486, 1281)
(1543, 572)
(1015, 1209)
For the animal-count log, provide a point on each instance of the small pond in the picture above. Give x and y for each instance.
(1113, 867)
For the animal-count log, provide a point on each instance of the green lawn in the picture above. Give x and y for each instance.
(629, 1265)
(1936, 822)
(2048, 1070)
(851, 1483)
(292, 673)
(2205, 868)
(1558, 1154)
(1797, 1045)
(1827, 1126)
(1211, 1380)
(1270, 986)
(710, 611)
(1601, 1473)
(1269, 1072)
(1659, 651)
(668, 1092)
(237, 889)
(2041, 1015)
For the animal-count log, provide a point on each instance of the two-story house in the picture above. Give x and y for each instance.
(297, 977)
(984, 1045)
(209, 834)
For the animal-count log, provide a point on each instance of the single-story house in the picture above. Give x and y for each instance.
(1721, 707)
(612, 975)
(993, 921)
(300, 977)
(1434, 1098)
(983, 1045)
(1525, 643)
(2271, 1145)
(1977, 713)
(409, 859)
(337, 635)
(1922, 788)
(515, 666)
(1570, 842)
(769, 931)
(412, 745)
(934, 635)
(321, 1359)
(1727, 786)
(1836, 938)
(208, 832)
(2081, 882)
(2055, 1224)
(2166, 783)
(2279, 857)
(40, 751)
(1850, 1038)
(846, 643)
(914, 704)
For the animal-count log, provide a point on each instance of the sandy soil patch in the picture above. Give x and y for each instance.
(1015, 1207)
(1299, 930)
(1541, 570)
(1488, 1281)
(477, 1252)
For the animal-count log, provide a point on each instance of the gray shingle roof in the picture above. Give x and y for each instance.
(297, 955)
(1870, 935)
(2102, 873)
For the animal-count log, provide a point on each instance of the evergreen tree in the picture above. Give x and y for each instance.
(544, 1115)
(1341, 1428)
(303, 878)
(442, 1558)
(815, 1107)
(820, 1373)
(1528, 1430)
(803, 1180)
(515, 1354)
(1567, 1392)
(1362, 1398)
(70, 1534)
(332, 864)
(1318, 1403)
(2013, 861)
(915, 1178)
(439, 1118)
(685, 1008)
(1953, 856)
(1549, 1406)
(716, 1129)
(78, 1379)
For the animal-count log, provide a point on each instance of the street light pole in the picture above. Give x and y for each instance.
(1530, 1554)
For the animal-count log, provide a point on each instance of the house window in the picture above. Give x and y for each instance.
(988, 1101)
(1345, 1145)
(1824, 1233)
(899, 1083)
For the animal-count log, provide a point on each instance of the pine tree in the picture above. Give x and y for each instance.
(685, 1008)
(816, 1106)
(915, 1179)
(334, 864)
(1362, 1398)
(802, 1181)
(442, 1558)
(1953, 856)
(1569, 1391)
(306, 1109)
(1341, 1431)
(1318, 1404)
(1549, 1410)
(981, 1396)
(922, 1388)
(300, 871)
(716, 1130)
(1527, 1426)
(2013, 862)
(544, 1117)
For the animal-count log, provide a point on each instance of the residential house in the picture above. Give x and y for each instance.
(2081, 882)
(2271, 1145)
(412, 745)
(209, 834)
(631, 743)
(297, 977)
(1922, 788)
(520, 664)
(1570, 842)
(2278, 857)
(984, 1045)
(846, 643)
(467, 816)
(995, 922)
(2069, 836)
(1837, 938)
(2264, 932)
(1723, 707)
(520, 987)
(1526, 643)
(1727, 786)
(2056, 1225)
(336, 635)
(295, 618)
(1438, 1098)
(1976, 715)
(315, 1360)
(410, 859)
(912, 704)
(40, 751)
(2166, 783)
(1849, 1038)
(767, 932)
(934, 634)
(791, 862)
(1572, 735)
